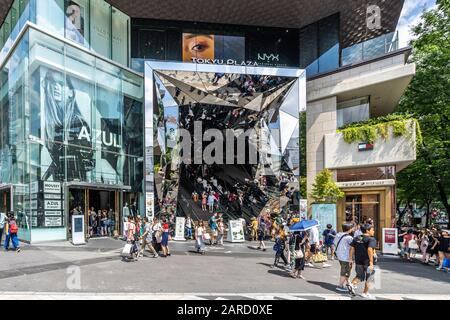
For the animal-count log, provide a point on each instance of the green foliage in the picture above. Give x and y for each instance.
(325, 190)
(428, 100)
(370, 130)
(303, 187)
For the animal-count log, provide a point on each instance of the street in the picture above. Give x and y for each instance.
(235, 271)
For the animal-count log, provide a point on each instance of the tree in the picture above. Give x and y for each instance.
(428, 99)
(325, 190)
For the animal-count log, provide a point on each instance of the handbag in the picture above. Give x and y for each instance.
(298, 254)
(127, 249)
(412, 244)
(206, 236)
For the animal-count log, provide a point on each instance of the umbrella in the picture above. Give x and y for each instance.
(304, 225)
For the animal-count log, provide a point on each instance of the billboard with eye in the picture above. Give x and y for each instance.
(208, 46)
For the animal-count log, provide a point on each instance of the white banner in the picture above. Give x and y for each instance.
(34, 187)
(390, 240)
(52, 205)
(53, 221)
(52, 196)
(179, 229)
(235, 231)
(53, 213)
(52, 187)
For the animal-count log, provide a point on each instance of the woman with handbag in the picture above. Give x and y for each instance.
(300, 240)
(200, 232)
(410, 244)
(165, 239)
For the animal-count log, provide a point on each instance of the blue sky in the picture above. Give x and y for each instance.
(412, 10)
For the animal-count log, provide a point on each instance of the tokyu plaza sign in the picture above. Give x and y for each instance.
(368, 183)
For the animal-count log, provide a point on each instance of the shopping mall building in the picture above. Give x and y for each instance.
(96, 95)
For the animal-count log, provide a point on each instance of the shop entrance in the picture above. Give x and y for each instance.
(5, 199)
(361, 208)
(101, 210)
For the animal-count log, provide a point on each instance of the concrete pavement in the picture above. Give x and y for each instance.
(236, 270)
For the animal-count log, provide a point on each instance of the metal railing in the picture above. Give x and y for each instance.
(370, 49)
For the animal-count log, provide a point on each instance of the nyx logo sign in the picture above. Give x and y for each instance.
(268, 57)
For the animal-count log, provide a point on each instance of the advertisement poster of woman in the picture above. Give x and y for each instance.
(75, 22)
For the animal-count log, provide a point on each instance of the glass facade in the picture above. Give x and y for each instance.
(66, 117)
(94, 24)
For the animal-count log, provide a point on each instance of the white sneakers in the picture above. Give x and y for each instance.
(368, 296)
(326, 265)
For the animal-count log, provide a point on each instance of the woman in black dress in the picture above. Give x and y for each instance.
(443, 248)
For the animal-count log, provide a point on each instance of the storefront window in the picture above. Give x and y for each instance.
(101, 27)
(365, 174)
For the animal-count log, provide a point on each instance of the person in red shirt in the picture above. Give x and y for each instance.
(165, 239)
(410, 244)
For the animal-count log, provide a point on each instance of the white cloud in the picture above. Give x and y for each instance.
(411, 16)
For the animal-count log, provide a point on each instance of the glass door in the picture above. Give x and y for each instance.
(362, 208)
(78, 206)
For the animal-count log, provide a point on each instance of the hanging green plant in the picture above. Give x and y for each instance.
(370, 130)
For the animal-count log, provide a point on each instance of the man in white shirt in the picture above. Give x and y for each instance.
(342, 243)
(314, 242)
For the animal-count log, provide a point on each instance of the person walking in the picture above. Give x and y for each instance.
(204, 199)
(147, 239)
(329, 234)
(443, 248)
(254, 229)
(410, 244)
(11, 229)
(363, 248)
(200, 232)
(165, 240)
(299, 239)
(211, 202)
(221, 231)
(189, 227)
(2, 225)
(343, 243)
(279, 247)
(213, 226)
(261, 234)
(156, 234)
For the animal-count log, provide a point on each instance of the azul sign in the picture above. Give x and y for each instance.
(100, 137)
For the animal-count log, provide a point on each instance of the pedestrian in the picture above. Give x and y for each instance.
(131, 229)
(432, 248)
(165, 239)
(300, 240)
(343, 243)
(410, 244)
(279, 247)
(211, 202)
(147, 239)
(204, 201)
(200, 232)
(261, 234)
(363, 248)
(213, 226)
(156, 234)
(423, 241)
(329, 234)
(254, 229)
(104, 226)
(189, 227)
(221, 231)
(443, 248)
(11, 230)
(2, 225)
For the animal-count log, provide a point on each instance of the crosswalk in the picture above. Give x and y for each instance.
(209, 296)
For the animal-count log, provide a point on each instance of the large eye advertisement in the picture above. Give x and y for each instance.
(207, 46)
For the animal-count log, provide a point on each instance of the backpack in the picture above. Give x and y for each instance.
(13, 228)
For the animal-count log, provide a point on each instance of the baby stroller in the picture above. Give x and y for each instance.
(130, 251)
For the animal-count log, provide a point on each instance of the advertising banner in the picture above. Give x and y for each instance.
(52, 205)
(390, 241)
(179, 229)
(235, 231)
(303, 209)
(53, 221)
(52, 187)
(325, 214)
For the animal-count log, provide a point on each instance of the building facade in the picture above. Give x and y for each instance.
(79, 126)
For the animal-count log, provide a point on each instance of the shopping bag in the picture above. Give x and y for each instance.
(319, 257)
(127, 249)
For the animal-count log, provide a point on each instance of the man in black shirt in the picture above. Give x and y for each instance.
(363, 248)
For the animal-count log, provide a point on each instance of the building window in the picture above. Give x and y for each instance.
(319, 46)
(351, 111)
(366, 174)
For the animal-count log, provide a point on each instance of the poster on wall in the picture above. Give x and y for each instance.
(325, 214)
(75, 21)
(214, 47)
(149, 205)
(235, 231)
(179, 229)
(67, 114)
(53, 221)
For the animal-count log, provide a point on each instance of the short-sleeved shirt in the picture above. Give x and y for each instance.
(343, 250)
(148, 230)
(362, 244)
(314, 235)
(327, 236)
